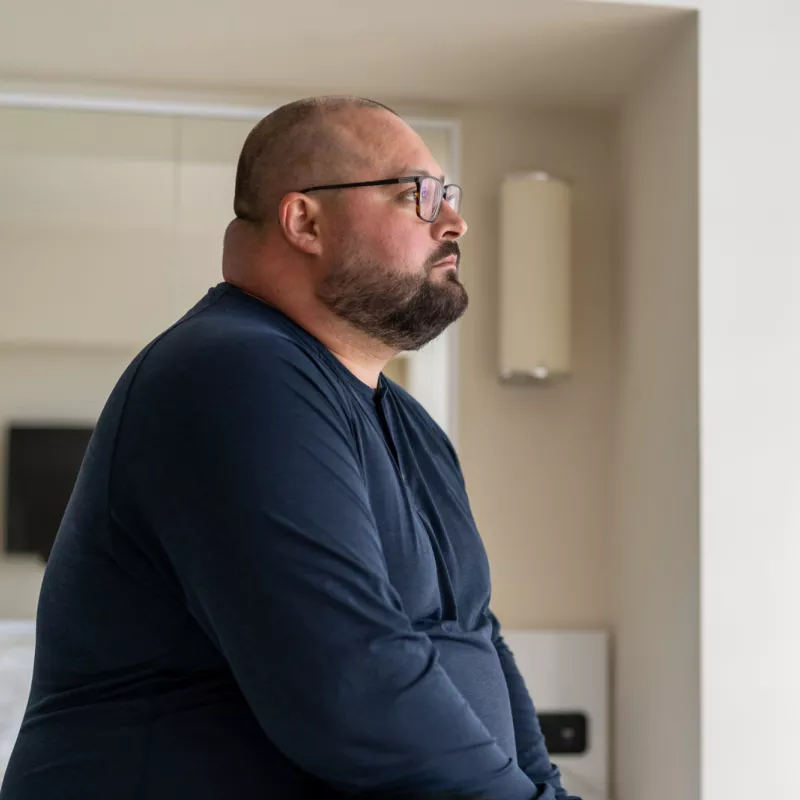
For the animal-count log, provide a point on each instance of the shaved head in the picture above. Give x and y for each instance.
(297, 145)
(364, 261)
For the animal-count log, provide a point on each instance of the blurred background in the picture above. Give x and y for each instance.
(120, 126)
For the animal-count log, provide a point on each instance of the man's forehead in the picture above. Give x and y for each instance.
(392, 145)
(402, 157)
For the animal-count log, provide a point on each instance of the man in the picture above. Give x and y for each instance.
(268, 582)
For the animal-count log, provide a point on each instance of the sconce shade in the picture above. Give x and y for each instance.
(535, 278)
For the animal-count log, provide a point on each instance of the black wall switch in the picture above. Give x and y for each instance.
(566, 732)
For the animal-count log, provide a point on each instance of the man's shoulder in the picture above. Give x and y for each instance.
(230, 331)
(230, 346)
(228, 319)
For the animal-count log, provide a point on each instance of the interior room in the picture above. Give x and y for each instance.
(117, 164)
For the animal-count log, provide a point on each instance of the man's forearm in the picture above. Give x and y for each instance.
(532, 754)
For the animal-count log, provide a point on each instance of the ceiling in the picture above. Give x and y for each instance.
(528, 51)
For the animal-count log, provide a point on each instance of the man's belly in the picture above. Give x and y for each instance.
(474, 667)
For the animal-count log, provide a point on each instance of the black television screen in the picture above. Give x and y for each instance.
(42, 466)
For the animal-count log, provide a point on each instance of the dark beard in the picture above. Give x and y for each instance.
(403, 312)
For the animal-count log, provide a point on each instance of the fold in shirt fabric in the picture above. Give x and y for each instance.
(268, 584)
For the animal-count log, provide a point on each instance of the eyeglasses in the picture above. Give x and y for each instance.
(430, 193)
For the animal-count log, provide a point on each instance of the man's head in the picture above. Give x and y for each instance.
(364, 253)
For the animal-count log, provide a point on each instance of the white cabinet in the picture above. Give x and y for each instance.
(87, 227)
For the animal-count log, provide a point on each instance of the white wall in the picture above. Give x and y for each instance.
(750, 390)
(654, 553)
(750, 395)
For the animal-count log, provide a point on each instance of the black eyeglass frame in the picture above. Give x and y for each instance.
(391, 181)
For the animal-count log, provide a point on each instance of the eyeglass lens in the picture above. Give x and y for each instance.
(430, 198)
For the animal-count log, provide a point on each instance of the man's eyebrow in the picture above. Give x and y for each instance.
(409, 171)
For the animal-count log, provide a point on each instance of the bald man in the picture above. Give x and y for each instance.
(268, 583)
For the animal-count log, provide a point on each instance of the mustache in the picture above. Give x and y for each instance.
(445, 250)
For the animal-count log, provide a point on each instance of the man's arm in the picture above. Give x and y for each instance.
(532, 755)
(247, 473)
(531, 750)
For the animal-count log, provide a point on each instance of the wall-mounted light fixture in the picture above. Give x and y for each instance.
(535, 280)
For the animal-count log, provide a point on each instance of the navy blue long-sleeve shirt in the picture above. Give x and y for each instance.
(268, 584)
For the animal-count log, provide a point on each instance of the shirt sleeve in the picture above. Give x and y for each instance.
(532, 753)
(244, 465)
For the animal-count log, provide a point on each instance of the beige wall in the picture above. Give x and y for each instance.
(654, 549)
(537, 459)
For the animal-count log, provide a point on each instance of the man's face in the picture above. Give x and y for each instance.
(385, 274)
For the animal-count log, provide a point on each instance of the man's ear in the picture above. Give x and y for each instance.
(298, 217)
